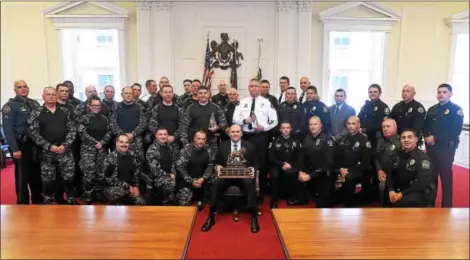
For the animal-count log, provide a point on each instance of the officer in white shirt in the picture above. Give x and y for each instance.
(257, 116)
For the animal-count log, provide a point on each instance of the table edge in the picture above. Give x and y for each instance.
(279, 235)
(190, 234)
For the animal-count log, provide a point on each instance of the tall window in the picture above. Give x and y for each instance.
(355, 61)
(460, 73)
(91, 57)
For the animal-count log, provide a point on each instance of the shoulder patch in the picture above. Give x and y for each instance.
(6, 109)
(330, 142)
(460, 112)
(421, 110)
(270, 145)
(368, 144)
(425, 164)
(387, 111)
(325, 109)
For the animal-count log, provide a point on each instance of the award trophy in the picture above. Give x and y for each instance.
(213, 124)
(236, 168)
(254, 121)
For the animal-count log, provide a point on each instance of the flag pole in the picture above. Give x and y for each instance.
(260, 40)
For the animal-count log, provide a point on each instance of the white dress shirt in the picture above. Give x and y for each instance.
(146, 97)
(232, 145)
(265, 113)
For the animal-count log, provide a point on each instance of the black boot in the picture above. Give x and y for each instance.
(254, 224)
(273, 203)
(210, 221)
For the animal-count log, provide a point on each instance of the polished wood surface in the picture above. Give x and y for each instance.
(100, 232)
(374, 233)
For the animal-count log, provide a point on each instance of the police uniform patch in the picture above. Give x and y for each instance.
(387, 111)
(392, 147)
(368, 144)
(293, 144)
(356, 144)
(6, 109)
(425, 164)
(375, 108)
(412, 162)
(278, 145)
(460, 112)
(330, 143)
(246, 105)
(295, 106)
(325, 109)
(270, 145)
(318, 142)
(410, 110)
(314, 108)
(446, 112)
(420, 110)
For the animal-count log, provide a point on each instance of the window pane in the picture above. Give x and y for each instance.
(91, 60)
(460, 81)
(355, 66)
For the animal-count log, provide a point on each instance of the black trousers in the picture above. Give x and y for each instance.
(348, 190)
(260, 143)
(324, 185)
(247, 186)
(442, 159)
(411, 200)
(78, 172)
(27, 173)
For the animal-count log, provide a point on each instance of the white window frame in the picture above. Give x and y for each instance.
(333, 21)
(458, 24)
(116, 20)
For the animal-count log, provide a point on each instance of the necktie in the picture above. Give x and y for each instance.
(336, 110)
(280, 98)
(301, 97)
(235, 147)
(252, 112)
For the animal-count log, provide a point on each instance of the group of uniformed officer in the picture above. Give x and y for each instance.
(164, 145)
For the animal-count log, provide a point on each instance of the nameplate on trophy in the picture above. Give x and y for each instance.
(236, 168)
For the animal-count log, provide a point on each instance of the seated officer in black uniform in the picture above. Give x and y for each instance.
(284, 154)
(352, 162)
(411, 175)
(316, 161)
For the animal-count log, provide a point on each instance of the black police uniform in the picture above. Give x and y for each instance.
(27, 169)
(385, 155)
(317, 160)
(283, 150)
(353, 153)
(411, 176)
(220, 100)
(228, 110)
(289, 112)
(409, 116)
(445, 123)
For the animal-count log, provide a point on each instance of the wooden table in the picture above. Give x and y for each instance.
(87, 232)
(374, 233)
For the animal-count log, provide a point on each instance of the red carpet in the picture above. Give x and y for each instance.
(230, 240)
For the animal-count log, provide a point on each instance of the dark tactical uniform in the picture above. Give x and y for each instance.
(48, 129)
(314, 108)
(182, 98)
(189, 101)
(272, 99)
(94, 129)
(168, 117)
(445, 123)
(409, 116)
(111, 105)
(228, 111)
(193, 164)
(130, 118)
(162, 164)
(27, 170)
(283, 150)
(371, 116)
(69, 107)
(317, 159)
(385, 154)
(412, 176)
(289, 112)
(353, 153)
(197, 117)
(121, 171)
(220, 100)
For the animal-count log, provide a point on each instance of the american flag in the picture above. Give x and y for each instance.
(208, 70)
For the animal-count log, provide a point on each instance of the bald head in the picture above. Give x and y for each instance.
(222, 86)
(49, 96)
(408, 93)
(232, 95)
(21, 88)
(90, 91)
(353, 124)
(235, 133)
(389, 127)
